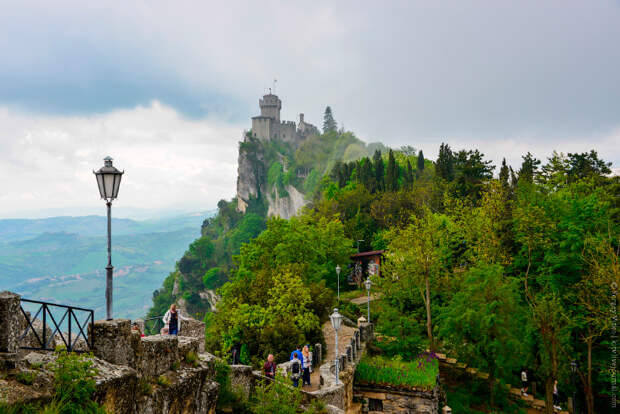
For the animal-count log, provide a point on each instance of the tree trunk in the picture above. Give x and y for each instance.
(588, 390)
(429, 327)
(549, 395)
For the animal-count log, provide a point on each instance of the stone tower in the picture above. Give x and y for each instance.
(270, 106)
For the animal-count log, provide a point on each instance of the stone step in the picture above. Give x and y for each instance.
(461, 365)
(483, 375)
(451, 361)
(471, 371)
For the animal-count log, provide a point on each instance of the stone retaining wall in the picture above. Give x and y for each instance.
(398, 401)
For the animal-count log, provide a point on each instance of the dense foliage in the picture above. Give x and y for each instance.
(422, 372)
(504, 273)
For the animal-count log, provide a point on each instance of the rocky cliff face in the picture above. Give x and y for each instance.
(285, 207)
(252, 183)
(251, 173)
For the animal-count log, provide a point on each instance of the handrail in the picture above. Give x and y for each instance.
(42, 342)
(155, 327)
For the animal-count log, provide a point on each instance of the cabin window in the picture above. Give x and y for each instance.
(375, 404)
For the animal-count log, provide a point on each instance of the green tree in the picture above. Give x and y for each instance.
(504, 174)
(408, 176)
(472, 172)
(484, 319)
(392, 173)
(420, 163)
(413, 261)
(445, 163)
(329, 124)
(379, 169)
(529, 168)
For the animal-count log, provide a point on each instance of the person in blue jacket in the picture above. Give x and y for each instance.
(300, 356)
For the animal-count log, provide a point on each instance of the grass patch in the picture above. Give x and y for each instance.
(420, 373)
(145, 387)
(175, 366)
(192, 358)
(163, 381)
(25, 377)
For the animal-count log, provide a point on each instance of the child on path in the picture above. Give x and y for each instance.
(296, 370)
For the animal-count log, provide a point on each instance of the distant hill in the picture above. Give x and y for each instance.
(62, 259)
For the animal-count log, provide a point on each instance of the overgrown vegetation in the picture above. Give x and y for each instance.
(419, 373)
(502, 272)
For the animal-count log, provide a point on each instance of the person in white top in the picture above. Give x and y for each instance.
(524, 383)
(173, 319)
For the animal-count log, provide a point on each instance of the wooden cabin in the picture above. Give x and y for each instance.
(364, 264)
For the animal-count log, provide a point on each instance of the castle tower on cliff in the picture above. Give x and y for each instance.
(268, 126)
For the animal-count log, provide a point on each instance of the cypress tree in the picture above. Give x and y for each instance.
(409, 176)
(379, 170)
(392, 173)
(445, 163)
(503, 174)
(329, 124)
(420, 162)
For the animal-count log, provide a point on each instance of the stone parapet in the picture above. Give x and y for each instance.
(242, 379)
(194, 329)
(156, 354)
(188, 344)
(367, 331)
(112, 341)
(9, 321)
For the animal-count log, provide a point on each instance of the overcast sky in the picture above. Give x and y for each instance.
(166, 88)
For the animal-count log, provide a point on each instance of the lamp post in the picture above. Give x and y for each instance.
(108, 181)
(573, 369)
(368, 284)
(338, 272)
(336, 319)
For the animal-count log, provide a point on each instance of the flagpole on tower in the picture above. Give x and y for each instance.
(274, 85)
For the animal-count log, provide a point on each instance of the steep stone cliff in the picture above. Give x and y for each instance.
(251, 176)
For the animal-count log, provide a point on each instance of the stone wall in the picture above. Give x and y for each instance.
(398, 401)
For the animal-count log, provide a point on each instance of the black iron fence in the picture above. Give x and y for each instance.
(53, 323)
(153, 326)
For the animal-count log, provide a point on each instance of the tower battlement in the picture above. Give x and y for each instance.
(267, 125)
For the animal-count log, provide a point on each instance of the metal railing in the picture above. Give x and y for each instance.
(67, 317)
(152, 326)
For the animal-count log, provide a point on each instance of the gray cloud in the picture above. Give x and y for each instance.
(506, 77)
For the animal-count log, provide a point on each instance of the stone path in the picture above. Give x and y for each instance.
(363, 299)
(344, 338)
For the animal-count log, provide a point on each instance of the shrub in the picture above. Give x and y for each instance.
(163, 381)
(25, 377)
(175, 365)
(192, 358)
(420, 373)
(145, 387)
(277, 396)
(74, 383)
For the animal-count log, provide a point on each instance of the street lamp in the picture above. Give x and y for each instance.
(338, 272)
(336, 319)
(573, 369)
(108, 181)
(368, 284)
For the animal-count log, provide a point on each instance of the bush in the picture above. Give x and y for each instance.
(26, 377)
(74, 383)
(382, 371)
(145, 387)
(277, 396)
(192, 358)
(175, 366)
(163, 381)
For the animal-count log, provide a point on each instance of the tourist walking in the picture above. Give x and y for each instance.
(296, 370)
(300, 356)
(173, 319)
(270, 367)
(556, 396)
(524, 382)
(307, 364)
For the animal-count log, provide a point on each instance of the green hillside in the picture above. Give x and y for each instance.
(68, 268)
